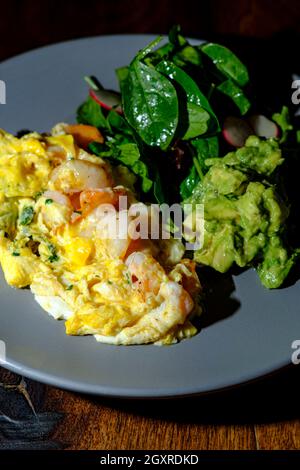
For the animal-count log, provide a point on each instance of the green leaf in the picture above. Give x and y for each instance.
(189, 183)
(198, 121)
(227, 63)
(150, 105)
(176, 38)
(26, 216)
(156, 56)
(158, 190)
(203, 148)
(140, 169)
(90, 113)
(117, 122)
(198, 108)
(188, 55)
(236, 94)
(129, 155)
(146, 50)
(206, 147)
(122, 74)
(284, 122)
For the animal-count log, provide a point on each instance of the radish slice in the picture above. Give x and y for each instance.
(236, 131)
(107, 99)
(263, 127)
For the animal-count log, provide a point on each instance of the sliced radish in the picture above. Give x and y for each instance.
(236, 131)
(107, 99)
(263, 127)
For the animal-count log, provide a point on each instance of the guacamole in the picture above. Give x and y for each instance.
(244, 215)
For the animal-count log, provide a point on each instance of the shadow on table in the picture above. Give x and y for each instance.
(274, 398)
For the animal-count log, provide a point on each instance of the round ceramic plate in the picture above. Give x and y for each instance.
(244, 335)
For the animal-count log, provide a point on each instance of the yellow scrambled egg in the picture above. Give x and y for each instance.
(123, 291)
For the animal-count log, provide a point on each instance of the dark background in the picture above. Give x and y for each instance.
(26, 24)
(265, 33)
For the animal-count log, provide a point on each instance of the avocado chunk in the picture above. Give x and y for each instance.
(244, 215)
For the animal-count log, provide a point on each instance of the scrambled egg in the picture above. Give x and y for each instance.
(52, 220)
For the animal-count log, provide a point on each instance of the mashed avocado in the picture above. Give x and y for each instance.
(244, 216)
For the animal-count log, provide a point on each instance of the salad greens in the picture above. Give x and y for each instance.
(171, 134)
(166, 96)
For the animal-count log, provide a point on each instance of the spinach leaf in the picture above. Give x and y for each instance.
(183, 52)
(150, 104)
(90, 113)
(117, 122)
(156, 56)
(176, 38)
(188, 55)
(227, 62)
(140, 169)
(198, 108)
(189, 183)
(203, 148)
(284, 122)
(198, 121)
(127, 154)
(122, 74)
(236, 94)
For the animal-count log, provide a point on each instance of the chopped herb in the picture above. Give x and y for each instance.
(26, 216)
(38, 194)
(15, 253)
(54, 256)
(70, 287)
(48, 201)
(109, 282)
(128, 278)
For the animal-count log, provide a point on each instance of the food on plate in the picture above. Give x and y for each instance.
(191, 129)
(55, 237)
(185, 128)
(244, 216)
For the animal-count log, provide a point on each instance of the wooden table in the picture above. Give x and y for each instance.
(261, 415)
(258, 416)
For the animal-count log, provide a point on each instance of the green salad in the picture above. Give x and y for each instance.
(184, 125)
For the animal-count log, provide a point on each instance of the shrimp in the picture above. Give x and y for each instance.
(185, 273)
(176, 305)
(58, 197)
(92, 198)
(146, 273)
(58, 212)
(77, 175)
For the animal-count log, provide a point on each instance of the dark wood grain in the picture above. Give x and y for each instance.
(262, 415)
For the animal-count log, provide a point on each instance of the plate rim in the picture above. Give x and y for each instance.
(126, 392)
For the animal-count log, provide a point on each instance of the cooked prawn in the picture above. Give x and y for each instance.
(146, 273)
(77, 175)
(176, 305)
(58, 212)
